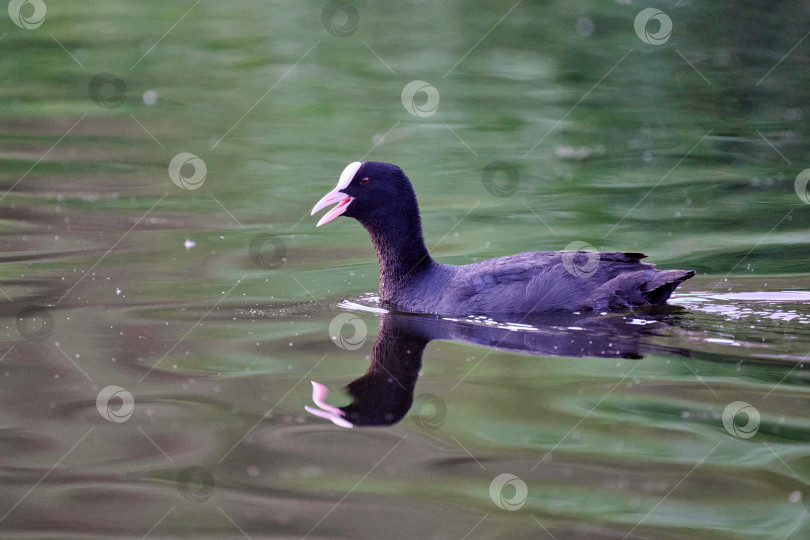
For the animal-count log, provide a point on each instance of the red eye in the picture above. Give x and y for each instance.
(364, 181)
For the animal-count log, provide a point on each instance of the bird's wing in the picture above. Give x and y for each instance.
(537, 281)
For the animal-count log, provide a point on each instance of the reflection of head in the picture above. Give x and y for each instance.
(377, 400)
(383, 395)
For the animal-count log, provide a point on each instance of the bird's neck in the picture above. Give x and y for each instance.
(401, 251)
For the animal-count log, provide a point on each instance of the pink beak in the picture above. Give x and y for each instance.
(324, 410)
(337, 196)
(334, 196)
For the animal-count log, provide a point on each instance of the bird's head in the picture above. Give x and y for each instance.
(369, 191)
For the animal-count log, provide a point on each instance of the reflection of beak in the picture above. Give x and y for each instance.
(319, 393)
(334, 196)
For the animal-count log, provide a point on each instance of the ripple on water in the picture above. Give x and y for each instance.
(789, 306)
(23, 442)
(291, 310)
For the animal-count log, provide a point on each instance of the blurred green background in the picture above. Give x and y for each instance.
(211, 306)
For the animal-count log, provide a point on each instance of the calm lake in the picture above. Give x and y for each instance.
(185, 355)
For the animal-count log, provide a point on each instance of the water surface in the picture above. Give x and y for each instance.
(160, 342)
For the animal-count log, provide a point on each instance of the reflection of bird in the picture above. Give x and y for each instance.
(384, 394)
(381, 198)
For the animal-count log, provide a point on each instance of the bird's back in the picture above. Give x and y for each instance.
(544, 281)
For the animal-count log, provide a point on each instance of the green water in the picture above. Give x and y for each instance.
(211, 307)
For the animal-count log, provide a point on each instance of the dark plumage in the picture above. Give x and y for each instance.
(381, 198)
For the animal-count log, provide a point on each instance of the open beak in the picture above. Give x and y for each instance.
(337, 196)
(324, 410)
(334, 196)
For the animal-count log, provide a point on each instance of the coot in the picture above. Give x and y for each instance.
(381, 198)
